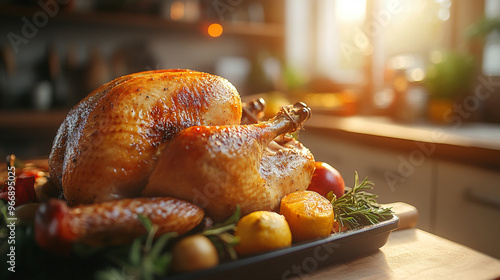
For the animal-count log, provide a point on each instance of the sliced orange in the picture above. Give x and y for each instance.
(261, 231)
(309, 215)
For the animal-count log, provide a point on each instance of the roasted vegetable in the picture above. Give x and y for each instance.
(309, 214)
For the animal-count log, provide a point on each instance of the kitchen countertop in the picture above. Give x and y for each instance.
(415, 254)
(474, 143)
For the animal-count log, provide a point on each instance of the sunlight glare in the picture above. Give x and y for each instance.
(350, 10)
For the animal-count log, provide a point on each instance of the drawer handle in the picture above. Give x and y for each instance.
(479, 197)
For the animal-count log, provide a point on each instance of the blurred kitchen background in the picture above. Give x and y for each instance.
(406, 92)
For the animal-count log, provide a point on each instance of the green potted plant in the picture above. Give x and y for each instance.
(482, 36)
(448, 80)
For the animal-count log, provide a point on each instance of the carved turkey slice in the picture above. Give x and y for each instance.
(108, 144)
(220, 167)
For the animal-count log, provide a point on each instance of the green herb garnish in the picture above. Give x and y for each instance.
(145, 258)
(357, 208)
(222, 236)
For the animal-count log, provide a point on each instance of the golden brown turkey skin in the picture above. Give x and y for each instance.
(110, 223)
(220, 167)
(107, 146)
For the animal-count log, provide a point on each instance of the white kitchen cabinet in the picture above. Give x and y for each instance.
(398, 176)
(468, 206)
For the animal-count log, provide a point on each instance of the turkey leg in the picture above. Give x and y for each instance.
(220, 167)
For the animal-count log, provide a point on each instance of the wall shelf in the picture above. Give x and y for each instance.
(149, 21)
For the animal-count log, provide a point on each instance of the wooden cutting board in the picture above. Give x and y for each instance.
(408, 214)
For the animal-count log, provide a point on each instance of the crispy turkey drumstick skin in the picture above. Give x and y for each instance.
(108, 144)
(110, 223)
(220, 167)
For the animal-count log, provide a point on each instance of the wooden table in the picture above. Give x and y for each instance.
(416, 254)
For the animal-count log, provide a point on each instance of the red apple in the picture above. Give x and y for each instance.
(327, 179)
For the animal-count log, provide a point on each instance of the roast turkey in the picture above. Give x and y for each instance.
(108, 144)
(178, 133)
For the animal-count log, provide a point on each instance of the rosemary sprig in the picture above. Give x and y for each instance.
(357, 208)
(222, 236)
(145, 258)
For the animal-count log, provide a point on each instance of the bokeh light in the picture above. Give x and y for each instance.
(215, 30)
(177, 10)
